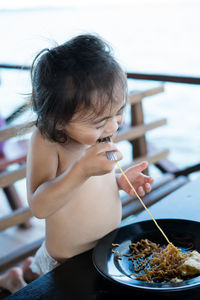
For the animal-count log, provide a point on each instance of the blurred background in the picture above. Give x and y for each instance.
(147, 36)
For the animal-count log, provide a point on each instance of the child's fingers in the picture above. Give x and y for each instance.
(149, 179)
(141, 191)
(147, 187)
(142, 166)
(105, 147)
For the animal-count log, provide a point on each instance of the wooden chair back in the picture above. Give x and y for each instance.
(10, 176)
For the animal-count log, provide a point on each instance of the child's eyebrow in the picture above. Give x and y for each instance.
(107, 117)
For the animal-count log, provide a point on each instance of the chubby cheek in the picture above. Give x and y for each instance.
(91, 139)
(88, 139)
(89, 136)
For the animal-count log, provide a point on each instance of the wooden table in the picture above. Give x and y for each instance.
(78, 279)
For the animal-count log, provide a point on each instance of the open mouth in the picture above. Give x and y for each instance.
(104, 140)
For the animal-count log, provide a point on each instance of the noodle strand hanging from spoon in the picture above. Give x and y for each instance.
(129, 183)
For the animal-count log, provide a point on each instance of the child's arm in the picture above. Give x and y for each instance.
(48, 192)
(140, 182)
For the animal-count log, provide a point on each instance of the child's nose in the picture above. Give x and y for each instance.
(112, 125)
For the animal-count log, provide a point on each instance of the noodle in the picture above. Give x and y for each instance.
(115, 251)
(118, 254)
(152, 263)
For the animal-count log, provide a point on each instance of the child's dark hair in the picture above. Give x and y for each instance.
(65, 78)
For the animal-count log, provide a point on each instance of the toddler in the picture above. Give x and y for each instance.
(79, 92)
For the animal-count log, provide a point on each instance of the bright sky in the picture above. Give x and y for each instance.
(17, 4)
(12, 4)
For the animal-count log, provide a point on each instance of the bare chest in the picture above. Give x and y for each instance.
(93, 210)
(95, 196)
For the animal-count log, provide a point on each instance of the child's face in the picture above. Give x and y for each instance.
(87, 132)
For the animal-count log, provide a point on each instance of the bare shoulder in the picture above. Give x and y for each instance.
(41, 147)
(38, 140)
(42, 160)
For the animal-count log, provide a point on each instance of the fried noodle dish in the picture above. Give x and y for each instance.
(152, 263)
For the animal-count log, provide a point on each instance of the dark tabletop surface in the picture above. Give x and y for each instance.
(78, 279)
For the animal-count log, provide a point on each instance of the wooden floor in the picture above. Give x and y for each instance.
(15, 238)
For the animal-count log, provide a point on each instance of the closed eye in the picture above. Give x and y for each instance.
(120, 112)
(100, 126)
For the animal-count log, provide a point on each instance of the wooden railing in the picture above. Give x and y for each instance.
(141, 76)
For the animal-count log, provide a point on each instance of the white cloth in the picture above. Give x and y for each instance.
(42, 261)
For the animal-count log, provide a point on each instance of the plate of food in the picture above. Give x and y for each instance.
(138, 256)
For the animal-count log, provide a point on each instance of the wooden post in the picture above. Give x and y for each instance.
(137, 118)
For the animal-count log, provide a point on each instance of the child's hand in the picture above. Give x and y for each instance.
(140, 182)
(95, 162)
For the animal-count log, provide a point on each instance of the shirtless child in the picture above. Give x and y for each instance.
(79, 94)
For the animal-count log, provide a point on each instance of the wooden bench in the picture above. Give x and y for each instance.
(134, 133)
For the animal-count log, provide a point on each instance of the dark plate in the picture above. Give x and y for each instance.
(182, 233)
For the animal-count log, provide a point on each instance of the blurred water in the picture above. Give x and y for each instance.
(147, 36)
